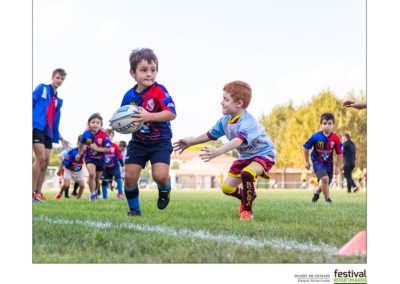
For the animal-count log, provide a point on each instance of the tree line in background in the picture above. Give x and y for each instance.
(290, 127)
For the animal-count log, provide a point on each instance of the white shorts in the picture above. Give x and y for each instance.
(75, 176)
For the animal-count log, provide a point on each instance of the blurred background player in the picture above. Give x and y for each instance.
(122, 147)
(153, 140)
(303, 179)
(313, 183)
(248, 136)
(72, 171)
(324, 142)
(349, 162)
(359, 177)
(364, 176)
(62, 155)
(112, 167)
(46, 119)
(97, 144)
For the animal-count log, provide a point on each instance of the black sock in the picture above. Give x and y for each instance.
(66, 192)
(76, 186)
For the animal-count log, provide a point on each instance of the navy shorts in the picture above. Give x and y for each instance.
(109, 173)
(321, 173)
(98, 163)
(40, 137)
(155, 152)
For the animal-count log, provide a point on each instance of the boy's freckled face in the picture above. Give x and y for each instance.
(327, 126)
(145, 74)
(229, 106)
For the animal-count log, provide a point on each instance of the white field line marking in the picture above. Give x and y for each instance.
(203, 235)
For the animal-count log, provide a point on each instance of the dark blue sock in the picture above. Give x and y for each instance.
(104, 189)
(119, 185)
(132, 196)
(164, 188)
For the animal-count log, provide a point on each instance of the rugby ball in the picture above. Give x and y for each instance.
(121, 120)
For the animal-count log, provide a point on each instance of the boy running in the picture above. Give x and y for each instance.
(72, 170)
(324, 142)
(153, 140)
(113, 161)
(248, 136)
(97, 144)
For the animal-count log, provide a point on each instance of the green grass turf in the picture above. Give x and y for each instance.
(278, 215)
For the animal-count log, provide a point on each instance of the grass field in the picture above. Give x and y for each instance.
(198, 227)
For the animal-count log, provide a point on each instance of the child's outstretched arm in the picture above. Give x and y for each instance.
(210, 153)
(183, 144)
(355, 104)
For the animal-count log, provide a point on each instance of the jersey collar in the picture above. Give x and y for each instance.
(236, 118)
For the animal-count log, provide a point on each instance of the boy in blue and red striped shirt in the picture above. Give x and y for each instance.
(112, 167)
(97, 145)
(153, 140)
(324, 142)
(73, 171)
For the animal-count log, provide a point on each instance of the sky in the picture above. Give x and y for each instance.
(286, 50)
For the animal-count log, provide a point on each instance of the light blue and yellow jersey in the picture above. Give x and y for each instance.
(256, 141)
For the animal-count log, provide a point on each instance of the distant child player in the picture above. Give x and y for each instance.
(113, 161)
(97, 145)
(122, 147)
(324, 142)
(248, 136)
(153, 140)
(72, 171)
(62, 155)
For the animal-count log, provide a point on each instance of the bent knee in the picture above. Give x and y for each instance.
(247, 171)
(130, 182)
(227, 189)
(161, 179)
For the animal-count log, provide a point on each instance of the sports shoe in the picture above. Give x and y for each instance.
(163, 198)
(241, 206)
(356, 189)
(120, 196)
(57, 197)
(74, 194)
(41, 196)
(246, 216)
(134, 213)
(328, 200)
(37, 200)
(93, 197)
(315, 197)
